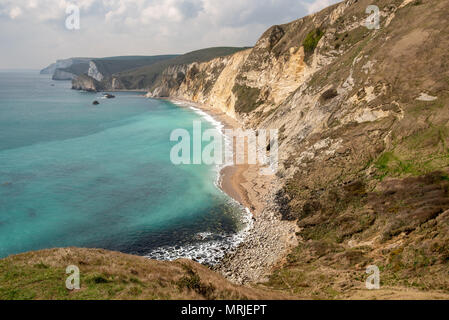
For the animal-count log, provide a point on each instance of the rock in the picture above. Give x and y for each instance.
(86, 83)
(95, 103)
(425, 97)
(109, 96)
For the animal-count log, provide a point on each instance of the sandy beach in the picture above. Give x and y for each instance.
(270, 238)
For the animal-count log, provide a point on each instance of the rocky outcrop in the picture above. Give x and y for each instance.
(93, 72)
(168, 82)
(86, 83)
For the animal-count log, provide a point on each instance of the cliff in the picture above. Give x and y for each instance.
(99, 69)
(84, 82)
(71, 72)
(67, 69)
(49, 70)
(115, 74)
(363, 122)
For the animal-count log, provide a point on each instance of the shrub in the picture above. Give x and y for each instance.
(311, 40)
(329, 94)
(247, 98)
(193, 282)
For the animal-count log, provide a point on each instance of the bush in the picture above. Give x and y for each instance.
(329, 94)
(247, 98)
(193, 282)
(311, 40)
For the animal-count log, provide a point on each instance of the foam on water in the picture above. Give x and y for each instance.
(210, 248)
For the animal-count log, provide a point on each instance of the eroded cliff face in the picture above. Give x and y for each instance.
(208, 83)
(94, 72)
(87, 83)
(67, 69)
(350, 78)
(362, 113)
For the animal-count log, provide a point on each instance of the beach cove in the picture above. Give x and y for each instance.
(269, 239)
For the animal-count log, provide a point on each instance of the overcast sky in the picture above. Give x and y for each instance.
(33, 33)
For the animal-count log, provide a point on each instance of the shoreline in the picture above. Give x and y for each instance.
(270, 239)
(231, 177)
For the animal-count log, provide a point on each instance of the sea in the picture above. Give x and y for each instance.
(100, 176)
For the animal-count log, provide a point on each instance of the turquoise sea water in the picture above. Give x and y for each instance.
(74, 174)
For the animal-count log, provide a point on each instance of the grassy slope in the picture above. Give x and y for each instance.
(77, 68)
(112, 65)
(144, 77)
(110, 275)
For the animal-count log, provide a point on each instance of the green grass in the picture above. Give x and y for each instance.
(418, 154)
(247, 98)
(311, 41)
(390, 165)
(106, 275)
(112, 65)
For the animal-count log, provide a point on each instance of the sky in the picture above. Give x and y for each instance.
(33, 33)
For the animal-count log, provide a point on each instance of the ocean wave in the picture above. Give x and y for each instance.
(209, 249)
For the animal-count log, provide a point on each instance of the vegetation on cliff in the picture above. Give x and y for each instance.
(150, 75)
(109, 66)
(311, 40)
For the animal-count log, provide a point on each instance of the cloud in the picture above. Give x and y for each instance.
(15, 12)
(318, 5)
(121, 27)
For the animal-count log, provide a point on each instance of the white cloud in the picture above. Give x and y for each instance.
(119, 27)
(318, 5)
(15, 12)
(32, 4)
